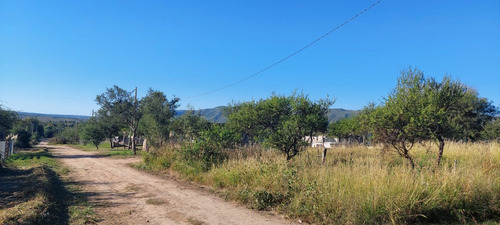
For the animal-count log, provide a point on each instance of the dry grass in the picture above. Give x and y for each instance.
(155, 201)
(360, 184)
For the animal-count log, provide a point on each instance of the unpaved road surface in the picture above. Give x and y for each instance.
(124, 195)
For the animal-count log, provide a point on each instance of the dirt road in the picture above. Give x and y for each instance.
(124, 195)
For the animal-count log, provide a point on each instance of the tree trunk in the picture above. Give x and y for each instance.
(408, 157)
(133, 144)
(441, 148)
(411, 162)
(124, 139)
(130, 141)
(111, 142)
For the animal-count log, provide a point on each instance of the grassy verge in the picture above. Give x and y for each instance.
(105, 149)
(356, 185)
(32, 191)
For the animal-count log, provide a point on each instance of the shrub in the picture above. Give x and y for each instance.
(23, 139)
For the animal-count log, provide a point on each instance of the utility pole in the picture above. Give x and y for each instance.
(135, 96)
(134, 122)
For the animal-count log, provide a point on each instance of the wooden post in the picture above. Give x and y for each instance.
(124, 140)
(323, 158)
(145, 146)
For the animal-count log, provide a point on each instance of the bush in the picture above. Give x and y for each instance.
(265, 200)
(23, 139)
(58, 140)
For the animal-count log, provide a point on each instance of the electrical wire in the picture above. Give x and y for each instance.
(289, 56)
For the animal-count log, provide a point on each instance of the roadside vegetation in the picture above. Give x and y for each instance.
(428, 153)
(34, 190)
(356, 185)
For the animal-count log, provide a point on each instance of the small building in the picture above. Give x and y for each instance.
(321, 141)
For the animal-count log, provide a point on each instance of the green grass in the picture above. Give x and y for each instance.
(35, 190)
(105, 149)
(32, 158)
(357, 185)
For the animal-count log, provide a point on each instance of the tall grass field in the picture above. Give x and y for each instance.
(355, 185)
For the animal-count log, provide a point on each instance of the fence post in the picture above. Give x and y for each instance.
(11, 146)
(3, 153)
(323, 156)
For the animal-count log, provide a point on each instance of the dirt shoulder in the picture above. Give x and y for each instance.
(124, 195)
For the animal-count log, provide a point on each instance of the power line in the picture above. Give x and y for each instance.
(289, 56)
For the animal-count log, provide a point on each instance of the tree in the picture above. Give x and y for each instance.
(456, 112)
(398, 121)
(157, 112)
(242, 117)
(421, 109)
(492, 130)
(93, 132)
(7, 120)
(347, 128)
(472, 115)
(50, 130)
(110, 122)
(281, 122)
(23, 139)
(123, 107)
(313, 114)
(189, 126)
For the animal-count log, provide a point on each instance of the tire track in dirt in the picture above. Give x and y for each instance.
(124, 195)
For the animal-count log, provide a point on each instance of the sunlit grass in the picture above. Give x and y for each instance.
(105, 149)
(40, 193)
(358, 184)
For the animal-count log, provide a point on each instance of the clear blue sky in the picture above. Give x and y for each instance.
(56, 56)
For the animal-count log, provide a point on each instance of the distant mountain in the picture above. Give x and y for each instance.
(338, 113)
(212, 114)
(215, 114)
(52, 117)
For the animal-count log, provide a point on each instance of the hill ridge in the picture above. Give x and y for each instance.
(214, 115)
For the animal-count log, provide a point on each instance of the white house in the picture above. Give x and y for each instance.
(324, 141)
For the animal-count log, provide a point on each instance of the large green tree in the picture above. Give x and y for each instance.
(123, 106)
(158, 113)
(281, 122)
(243, 117)
(420, 108)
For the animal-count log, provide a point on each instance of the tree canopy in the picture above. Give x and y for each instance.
(118, 107)
(420, 109)
(158, 113)
(281, 122)
(8, 119)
